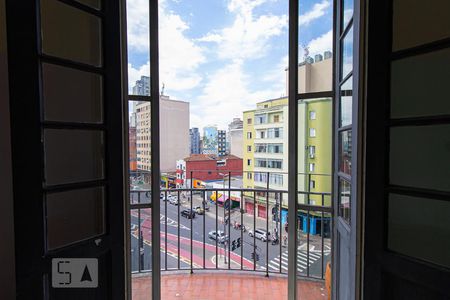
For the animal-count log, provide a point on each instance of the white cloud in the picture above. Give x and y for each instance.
(248, 36)
(227, 94)
(321, 44)
(229, 91)
(138, 25)
(316, 12)
(179, 56)
(277, 76)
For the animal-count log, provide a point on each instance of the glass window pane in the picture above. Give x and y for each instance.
(429, 74)
(71, 95)
(344, 200)
(92, 3)
(139, 151)
(73, 155)
(141, 239)
(70, 33)
(419, 157)
(420, 227)
(138, 49)
(346, 102)
(315, 35)
(345, 152)
(415, 24)
(347, 12)
(74, 216)
(347, 53)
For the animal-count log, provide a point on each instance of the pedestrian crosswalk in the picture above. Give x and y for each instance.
(303, 262)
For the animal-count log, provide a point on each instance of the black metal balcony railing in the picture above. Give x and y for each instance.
(189, 243)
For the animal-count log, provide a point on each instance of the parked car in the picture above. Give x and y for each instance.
(261, 234)
(187, 213)
(173, 200)
(199, 210)
(167, 197)
(219, 236)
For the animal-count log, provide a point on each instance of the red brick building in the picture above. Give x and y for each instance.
(208, 167)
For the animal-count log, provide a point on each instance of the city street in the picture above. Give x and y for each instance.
(203, 252)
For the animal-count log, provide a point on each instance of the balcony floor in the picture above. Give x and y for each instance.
(225, 286)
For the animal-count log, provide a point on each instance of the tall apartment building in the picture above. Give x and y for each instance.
(265, 151)
(210, 140)
(142, 86)
(265, 141)
(222, 142)
(174, 133)
(194, 137)
(234, 137)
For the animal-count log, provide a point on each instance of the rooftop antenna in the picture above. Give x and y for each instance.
(305, 51)
(162, 89)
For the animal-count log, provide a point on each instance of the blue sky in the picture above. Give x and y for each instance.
(223, 56)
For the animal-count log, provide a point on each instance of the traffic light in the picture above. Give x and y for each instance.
(257, 257)
(238, 243)
(253, 255)
(233, 245)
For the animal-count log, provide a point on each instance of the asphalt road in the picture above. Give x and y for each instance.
(205, 252)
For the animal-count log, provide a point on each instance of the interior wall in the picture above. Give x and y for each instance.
(7, 275)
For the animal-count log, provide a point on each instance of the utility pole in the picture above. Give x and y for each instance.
(225, 235)
(276, 214)
(224, 224)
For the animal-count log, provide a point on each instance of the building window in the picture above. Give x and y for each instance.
(312, 151)
(274, 133)
(261, 119)
(249, 162)
(312, 167)
(262, 134)
(249, 135)
(312, 115)
(312, 132)
(312, 184)
(249, 121)
(276, 118)
(269, 163)
(249, 175)
(249, 148)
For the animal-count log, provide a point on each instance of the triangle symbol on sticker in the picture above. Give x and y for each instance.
(86, 275)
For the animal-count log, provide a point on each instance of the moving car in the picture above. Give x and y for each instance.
(219, 236)
(187, 213)
(261, 234)
(199, 210)
(173, 200)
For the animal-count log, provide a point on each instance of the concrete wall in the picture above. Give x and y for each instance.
(315, 77)
(248, 182)
(323, 143)
(7, 257)
(174, 129)
(208, 170)
(236, 142)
